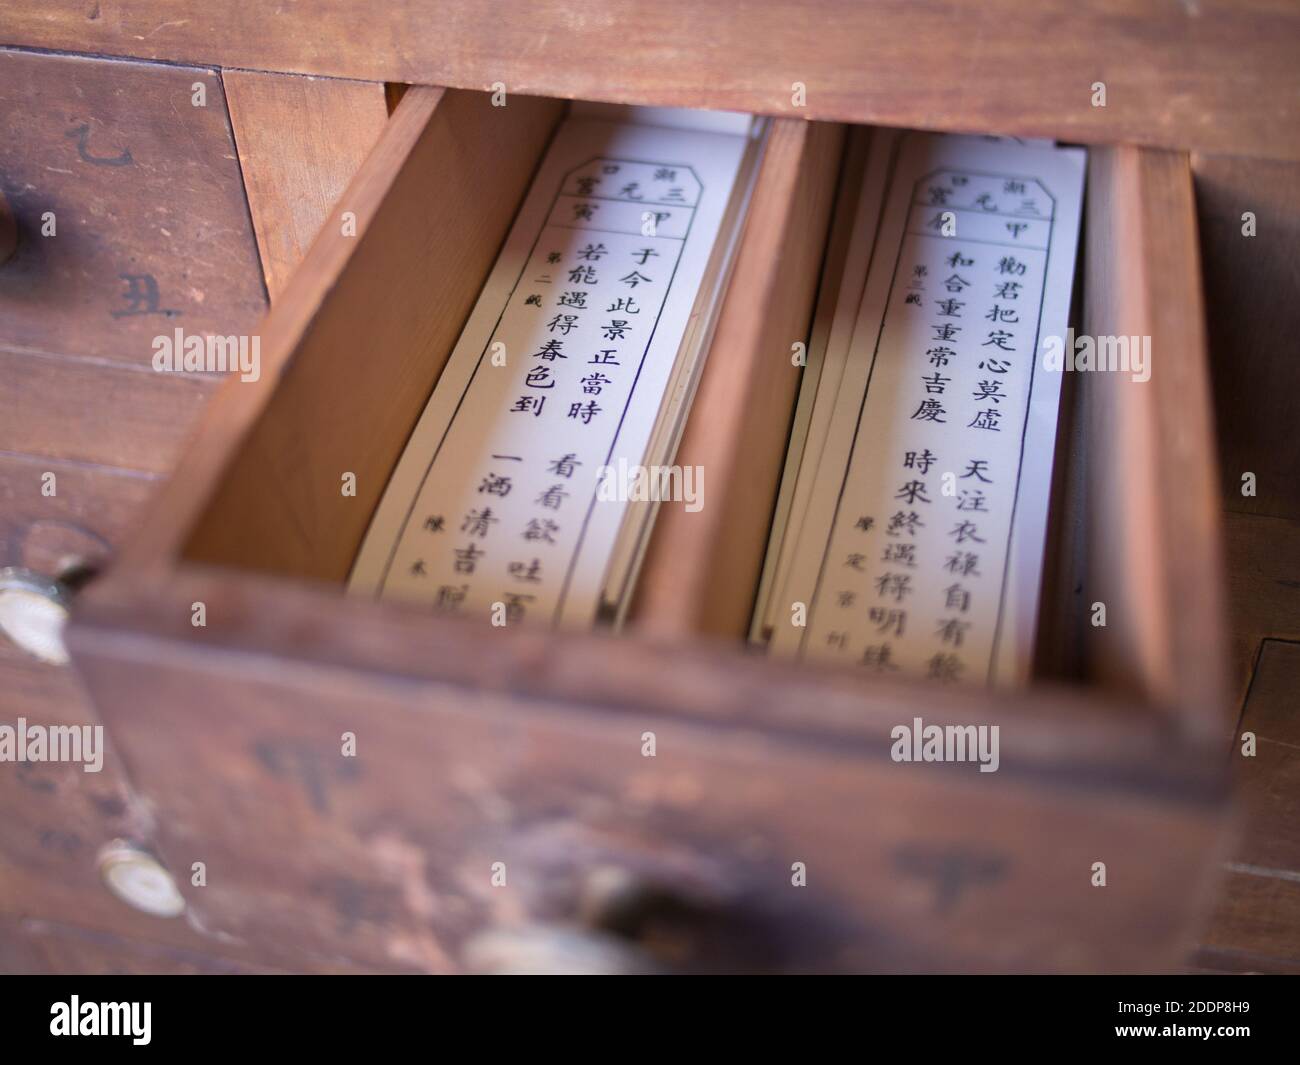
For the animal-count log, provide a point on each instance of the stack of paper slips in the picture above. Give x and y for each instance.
(910, 531)
(521, 496)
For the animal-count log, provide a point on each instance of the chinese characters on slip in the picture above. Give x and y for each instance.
(561, 371)
(924, 548)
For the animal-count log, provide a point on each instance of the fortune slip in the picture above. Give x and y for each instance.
(495, 508)
(921, 548)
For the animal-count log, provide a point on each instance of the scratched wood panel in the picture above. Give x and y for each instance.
(300, 141)
(386, 858)
(1219, 75)
(151, 228)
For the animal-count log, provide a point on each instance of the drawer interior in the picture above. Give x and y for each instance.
(356, 345)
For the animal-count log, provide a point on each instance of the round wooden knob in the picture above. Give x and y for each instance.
(33, 611)
(137, 878)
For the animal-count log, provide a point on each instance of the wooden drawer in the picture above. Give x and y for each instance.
(477, 746)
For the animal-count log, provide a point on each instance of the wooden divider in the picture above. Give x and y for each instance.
(1154, 555)
(701, 570)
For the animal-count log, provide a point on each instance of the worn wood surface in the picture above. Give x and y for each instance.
(300, 142)
(1218, 75)
(1256, 921)
(433, 204)
(701, 570)
(69, 522)
(88, 411)
(477, 745)
(8, 229)
(1263, 590)
(1254, 317)
(79, 400)
(57, 817)
(1152, 473)
(151, 229)
(32, 945)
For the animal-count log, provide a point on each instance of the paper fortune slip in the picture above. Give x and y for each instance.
(917, 543)
(579, 358)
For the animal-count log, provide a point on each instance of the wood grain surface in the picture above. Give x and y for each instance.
(1217, 75)
(300, 141)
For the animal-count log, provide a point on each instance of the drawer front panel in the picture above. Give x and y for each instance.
(143, 191)
(352, 797)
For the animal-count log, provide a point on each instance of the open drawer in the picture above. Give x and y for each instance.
(660, 798)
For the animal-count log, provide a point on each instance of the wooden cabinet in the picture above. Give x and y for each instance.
(130, 219)
(500, 811)
(478, 746)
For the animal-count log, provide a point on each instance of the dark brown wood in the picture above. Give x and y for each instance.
(106, 427)
(477, 745)
(1253, 316)
(1263, 590)
(8, 230)
(1256, 922)
(35, 946)
(1217, 75)
(151, 229)
(58, 817)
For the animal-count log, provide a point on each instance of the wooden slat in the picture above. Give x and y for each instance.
(1153, 522)
(701, 569)
(90, 411)
(1218, 75)
(357, 342)
(300, 142)
(478, 745)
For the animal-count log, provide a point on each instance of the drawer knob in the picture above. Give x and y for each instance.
(137, 878)
(33, 612)
(621, 923)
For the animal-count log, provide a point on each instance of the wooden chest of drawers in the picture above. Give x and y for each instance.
(485, 752)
